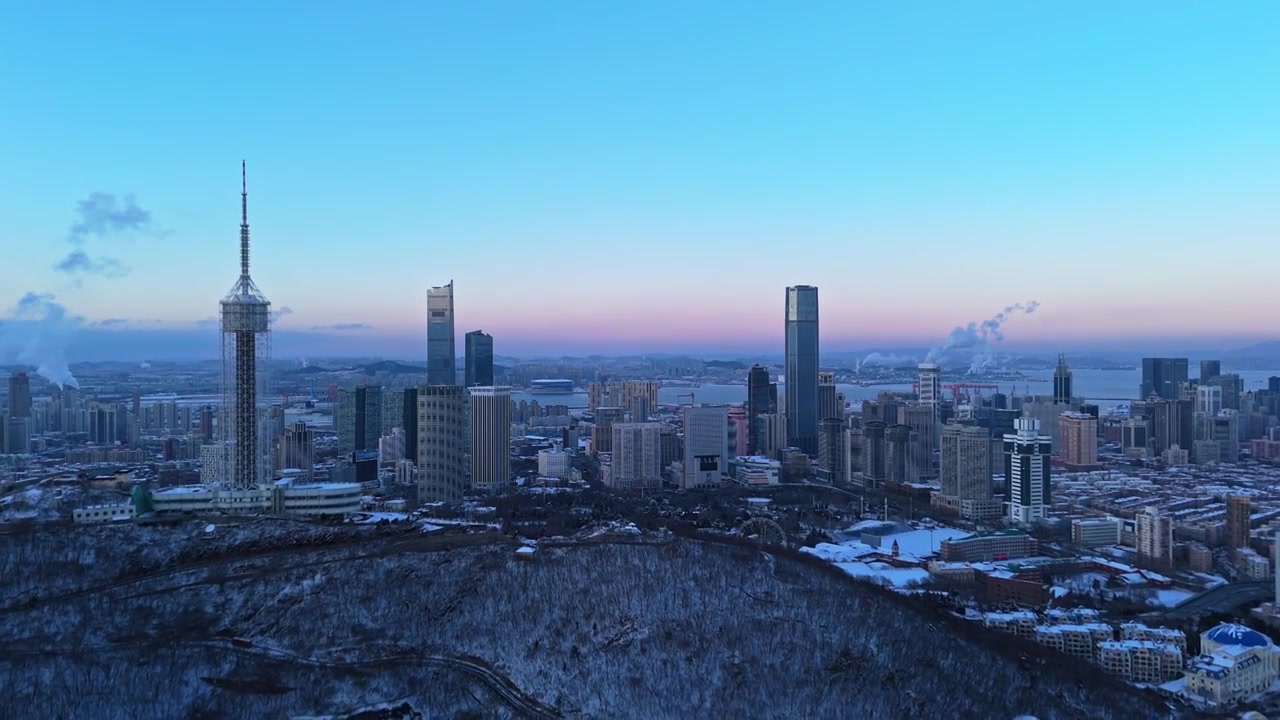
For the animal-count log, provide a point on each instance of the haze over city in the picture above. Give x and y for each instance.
(600, 179)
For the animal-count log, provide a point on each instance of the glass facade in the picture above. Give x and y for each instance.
(802, 368)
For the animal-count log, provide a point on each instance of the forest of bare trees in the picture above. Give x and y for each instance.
(685, 628)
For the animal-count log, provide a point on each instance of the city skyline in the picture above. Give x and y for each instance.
(814, 153)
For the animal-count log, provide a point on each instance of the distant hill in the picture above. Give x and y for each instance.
(726, 364)
(391, 367)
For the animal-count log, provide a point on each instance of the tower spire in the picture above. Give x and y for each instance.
(244, 222)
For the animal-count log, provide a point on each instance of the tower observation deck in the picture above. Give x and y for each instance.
(246, 352)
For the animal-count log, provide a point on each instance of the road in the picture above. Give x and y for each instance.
(1224, 598)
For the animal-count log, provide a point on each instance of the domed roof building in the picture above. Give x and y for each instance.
(1236, 662)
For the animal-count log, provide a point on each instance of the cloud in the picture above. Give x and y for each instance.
(112, 322)
(283, 311)
(78, 261)
(103, 214)
(344, 326)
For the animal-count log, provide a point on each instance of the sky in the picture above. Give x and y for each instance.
(620, 177)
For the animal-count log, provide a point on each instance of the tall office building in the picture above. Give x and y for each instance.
(246, 357)
(929, 387)
(802, 368)
(442, 430)
(1027, 455)
(771, 434)
(17, 435)
(762, 399)
(833, 451)
(441, 357)
(1062, 381)
(297, 449)
(637, 455)
(1163, 377)
(706, 436)
(922, 420)
(1209, 369)
(873, 461)
(358, 418)
(829, 401)
(206, 423)
(490, 437)
(1239, 508)
(1078, 438)
(19, 395)
(409, 421)
(965, 472)
(899, 466)
(479, 359)
(1232, 386)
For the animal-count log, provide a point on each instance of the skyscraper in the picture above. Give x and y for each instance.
(1027, 454)
(833, 451)
(706, 436)
(297, 449)
(490, 437)
(873, 452)
(409, 421)
(479, 359)
(762, 399)
(19, 395)
(246, 354)
(802, 367)
(1062, 382)
(358, 418)
(965, 471)
(442, 429)
(1238, 512)
(440, 349)
(1153, 534)
(1210, 369)
(1163, 377)
(829, 401)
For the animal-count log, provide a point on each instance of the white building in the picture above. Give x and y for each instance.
(1154, 535)
(706, 439)
(1236, 662)
(101, 514)
(637, 455)
(553, 463)
(1096, 533)
(1027, 456)
(283, 497)
(756, 470)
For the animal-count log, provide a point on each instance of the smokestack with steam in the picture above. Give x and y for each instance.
(979, 335)
(36, 333)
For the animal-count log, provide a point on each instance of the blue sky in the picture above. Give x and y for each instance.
(595, 176)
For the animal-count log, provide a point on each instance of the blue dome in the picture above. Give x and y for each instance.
(1231, 634)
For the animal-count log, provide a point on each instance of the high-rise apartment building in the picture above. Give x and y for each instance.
(602, 433)
(873, 461)
(1027, 456)
(1163, 378)
(358, 418)
(899, 466)
(637, 455)
(1078, 438)
(1062, 381)
(965, 471)
(19, 395)
(833, 452)
(490, 437)
(802, 367)
(479, 359)
(441, 357)
(1153, 534)
(706, 436)
(442, 430)
(409, 421)
(771, 433)
(1239, 508)
(922, 420)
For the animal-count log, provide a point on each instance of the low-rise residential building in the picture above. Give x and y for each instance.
(1021, 623)
(1096, 533)
(101, 514)
(1144, 661)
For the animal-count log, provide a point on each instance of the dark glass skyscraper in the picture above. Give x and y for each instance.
(802, 367)
(479, 359)
(1163, 377)
(1209, 369)
(762, 399)
(19, 395)
(1062, 381)
(440, 350)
